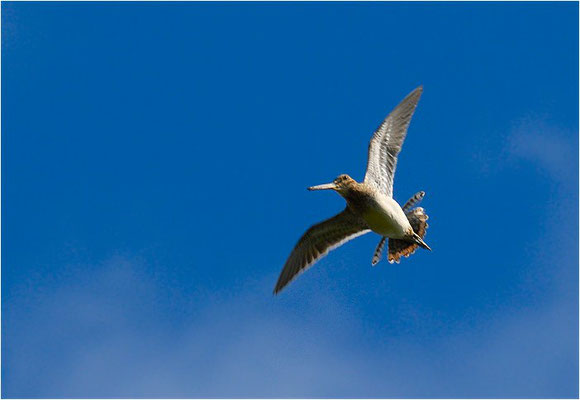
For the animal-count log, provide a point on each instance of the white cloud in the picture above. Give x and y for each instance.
(534, 140)
(106, 335)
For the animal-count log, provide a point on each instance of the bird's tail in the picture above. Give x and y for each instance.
(400, 247)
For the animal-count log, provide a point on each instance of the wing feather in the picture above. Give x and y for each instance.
(387, 142)
(318, 241)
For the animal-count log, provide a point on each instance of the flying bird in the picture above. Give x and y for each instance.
(369, 205)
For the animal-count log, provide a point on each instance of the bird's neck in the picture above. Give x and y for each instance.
(356, 196)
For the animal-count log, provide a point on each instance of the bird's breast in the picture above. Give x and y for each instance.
(385, 217)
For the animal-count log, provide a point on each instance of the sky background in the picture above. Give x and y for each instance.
(154, 165)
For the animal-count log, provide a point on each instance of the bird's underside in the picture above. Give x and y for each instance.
(399, 248)
(408, 222)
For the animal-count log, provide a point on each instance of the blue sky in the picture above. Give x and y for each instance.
(154, 165)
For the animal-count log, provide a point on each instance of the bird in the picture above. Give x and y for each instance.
(369, 204)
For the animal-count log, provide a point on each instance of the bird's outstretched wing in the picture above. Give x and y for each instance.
(318, 241)
(386, 144)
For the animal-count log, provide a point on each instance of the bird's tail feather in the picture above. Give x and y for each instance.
(404, 248)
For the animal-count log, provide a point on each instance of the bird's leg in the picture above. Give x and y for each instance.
(413, 201)
(379, 251)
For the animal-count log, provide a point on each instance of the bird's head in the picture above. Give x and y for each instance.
(342, 184)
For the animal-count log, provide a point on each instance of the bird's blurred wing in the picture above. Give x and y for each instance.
(318, 241)
(386, 144)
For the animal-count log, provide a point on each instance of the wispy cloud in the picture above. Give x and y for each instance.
(534, 140)
(529, 141)
(107, 336)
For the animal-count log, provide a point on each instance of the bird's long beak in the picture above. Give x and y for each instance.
(326, 186)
